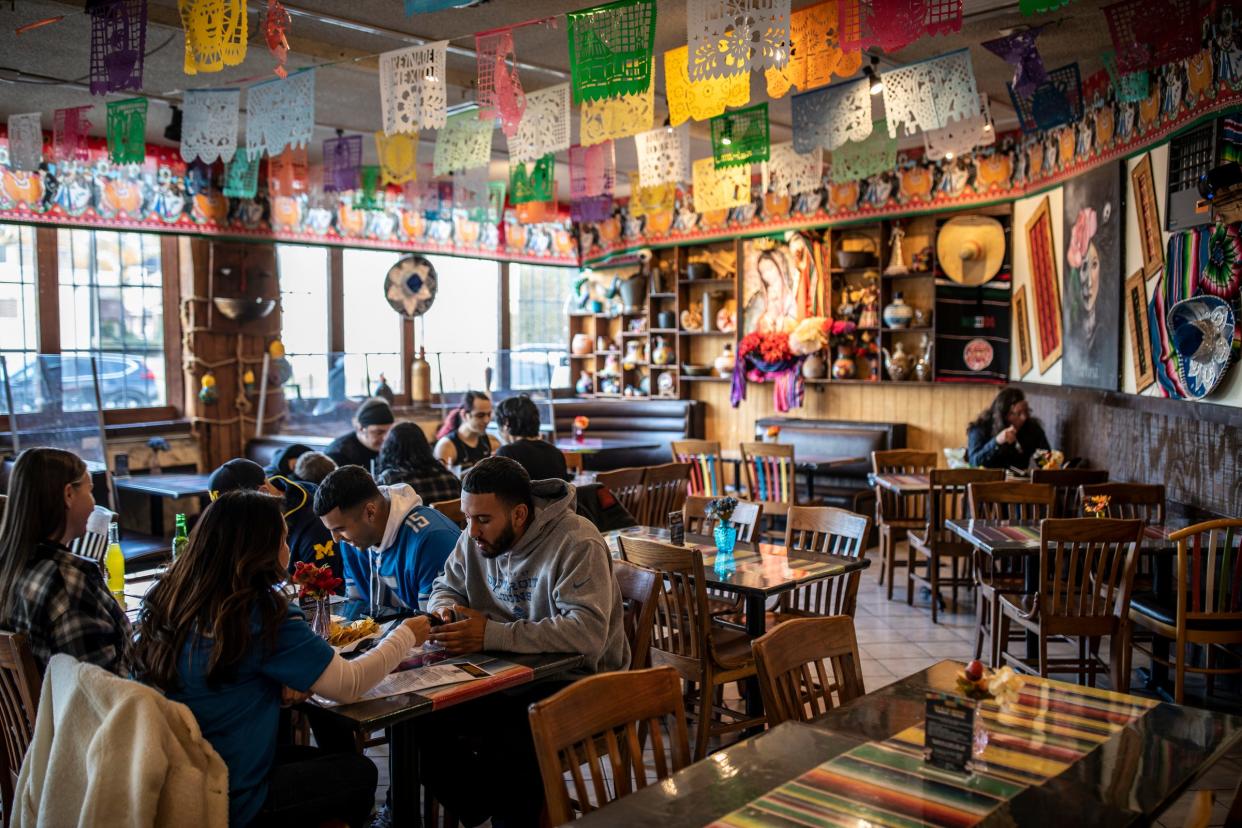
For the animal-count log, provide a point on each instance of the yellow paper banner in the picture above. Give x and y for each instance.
(645, 201)
(702, 99)
(215, 34)
(720, 189)
(611, 118)
(398, 156)
(816, 53)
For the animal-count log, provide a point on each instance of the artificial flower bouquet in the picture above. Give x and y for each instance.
(315, 583)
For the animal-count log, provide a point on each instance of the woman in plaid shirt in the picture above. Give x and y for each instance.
(58, 599)
(406, 457)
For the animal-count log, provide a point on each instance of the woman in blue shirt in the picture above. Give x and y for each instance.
(219, 636)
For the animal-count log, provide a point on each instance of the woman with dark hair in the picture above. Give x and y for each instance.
(518, 420)
(406, 457)
(56, 598)
(467, 442)
(218, 636)
(1005, 434)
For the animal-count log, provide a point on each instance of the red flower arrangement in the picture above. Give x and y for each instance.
(315, 582)
(772, 347)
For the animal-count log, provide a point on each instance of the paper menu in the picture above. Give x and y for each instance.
(417, 680)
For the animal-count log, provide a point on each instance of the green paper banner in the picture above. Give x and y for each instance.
(495, 202)
(367, 198)
(1030, 7)
(610, 49)
(127, 131)
(741, 136)
(1129, 86)
(241, 179)
(532, 182)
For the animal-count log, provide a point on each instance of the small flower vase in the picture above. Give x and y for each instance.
(725, 535)
(321, 618)
(579, 434)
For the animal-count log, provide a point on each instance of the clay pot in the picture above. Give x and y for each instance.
(814, 366)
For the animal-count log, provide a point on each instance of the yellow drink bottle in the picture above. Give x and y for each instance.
(114, 565)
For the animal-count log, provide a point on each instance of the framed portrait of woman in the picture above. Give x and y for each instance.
(783, 282)
(1094, 216)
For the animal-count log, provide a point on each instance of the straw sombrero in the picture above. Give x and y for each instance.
(971, 249)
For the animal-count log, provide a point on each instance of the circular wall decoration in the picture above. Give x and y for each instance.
(410, 286)
(977, 354)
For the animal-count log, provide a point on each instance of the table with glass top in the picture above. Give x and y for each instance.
(1058, 753)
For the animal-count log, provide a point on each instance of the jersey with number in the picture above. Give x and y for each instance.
(401, 574)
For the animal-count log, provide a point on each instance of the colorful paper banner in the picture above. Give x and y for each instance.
(613, 118)
(532, 182)
(127, 131)
(544, 126)
(663, 155)
(26, 141)
(719, 188)
(288, 174)
(499, 92)
(69, 129)
(342, 157)
(729, 36)
(741, 136)
(276, 33)
(815, 53)
(241, 177)
(961, 137)
(118, 44)
(592, 171)
(216, 34)
(894, 24)
(610, 49)
(413, 94)
(209, 124)
(1020, 52)
(788, 172)
(464, 143)
(856, 160)
(1056, 102)
(831, 116)
(398, 156)
(701, 99)
(931, 93)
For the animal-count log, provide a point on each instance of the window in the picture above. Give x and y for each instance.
(111, 309)
(461, 332)
(372, 328)
(539, 325)
(19, 333)
(304, 317)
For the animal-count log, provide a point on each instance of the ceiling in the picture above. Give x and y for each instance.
(46, 69)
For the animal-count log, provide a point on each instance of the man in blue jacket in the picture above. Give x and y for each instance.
(393, 547)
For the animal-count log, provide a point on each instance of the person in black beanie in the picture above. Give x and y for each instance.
(360, 446)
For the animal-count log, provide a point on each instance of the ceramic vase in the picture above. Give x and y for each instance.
(725, 362)
(898, 314)
(581, 344)
(843, 366)
(659, 352)
(814, 366)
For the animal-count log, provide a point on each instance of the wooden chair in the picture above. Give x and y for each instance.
(573, 462)
(897, 514)
(614, 712)
(20, 685)
(706, 466)
(1066, 483)
(683, 637)
(1127, 501)
(746, 518)
(451, 509)
(664, 491)
(811, 531)
(1086, 571)
(771, 477)
(946, 500)
(1008, 500)
(792, 675)
(626, 486)
(639, 586)
(1207, 611)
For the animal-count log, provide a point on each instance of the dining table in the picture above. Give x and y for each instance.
(1055, 753)
(161, 487)
(902, 484)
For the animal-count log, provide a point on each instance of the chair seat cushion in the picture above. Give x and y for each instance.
(732, 647)
(1165, 612)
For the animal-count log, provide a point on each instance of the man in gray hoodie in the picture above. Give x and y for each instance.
(527, 576)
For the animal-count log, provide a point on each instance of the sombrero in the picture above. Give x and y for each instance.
(1201, 331)
(971, 249)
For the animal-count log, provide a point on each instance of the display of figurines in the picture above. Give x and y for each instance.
(666, 384)
(633, 391)
(638, 324)
(644, 385)
(634, 292)
(898, 314)
(612, 366)
(692, 317)
(585, 383)
(635, 354)
(207, 393)
(923, 368)
(869, 316)
(922, 317)
(580, 345)
(660, 353)
(898, 364)
(921, 262)
(814, 366)
(843, 366)
(609, 385)
(580, 300)
(724, 363)
(896, 262)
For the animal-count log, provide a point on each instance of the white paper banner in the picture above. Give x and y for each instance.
(413, 94)
(209, 124)
(26, 141)
(831, 116)
(464, 143)
(280, 113)
(960, 137)
(789, 172)
(931, 93)
(731, 36)
(544, 126)
(663, 156)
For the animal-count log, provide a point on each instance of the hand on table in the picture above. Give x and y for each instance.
(289, 697)
(464, 636)
(420, 626)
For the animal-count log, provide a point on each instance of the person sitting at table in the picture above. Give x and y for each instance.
(221, 638)
(406, 457)
(309, 540)
(59, 600)
(1005, 434)
(313, 467)
(392, 545)
(465, 442)
(518, 420)
(284, 461)
(528, 576)
(360, 446)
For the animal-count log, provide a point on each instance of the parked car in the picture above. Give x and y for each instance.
(125, 381)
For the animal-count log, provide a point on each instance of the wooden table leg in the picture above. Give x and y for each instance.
(756, 625)
(403, 780)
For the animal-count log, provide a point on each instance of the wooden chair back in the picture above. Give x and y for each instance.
(573, 462)
(679, 629)
(812, 531)
(1066, 483)
(638, 591)
(664, 491)
(626, 486)
(1086, 571)
(1209, 565)
(746, 518)
(792, 677)
(947, 499)
(771, 473)
(706, 468)
(612, 713)
(1128, 501)
(1011, 500)
(451, 509)
(20, 685)
(889, 505)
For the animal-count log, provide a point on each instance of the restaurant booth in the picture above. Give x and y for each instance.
(883, 352)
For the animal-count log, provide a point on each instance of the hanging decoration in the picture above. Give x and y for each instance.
(288, 173)
(398, 156)
(464, 143)
(700, 99)
(118, 44)
(1030, 7)
(127, 131)
(367, 196)
(281, 113)
(788, 172)
(342, 157)
(720, 188)
(475, 196)
(741, 136)
(241, 177)
(276, 33)
(1056, 102)
(594, 208)
(729, 36)
(931, 93)
(499, 92)
(815, 53)
(544, 126)
(1020, 52)
(856, 160)
(614, 118)
(645, 201)
(894, 24)
(610, 49)
(532, 182)
(413, 94)
(1129, 87)
(831, 116)
(962, 136)
(1151, 33)
(663, 155)
(26, 141)
(216, 34)
(209, 124)
(413, 7)
(69, 129)
(592, 171)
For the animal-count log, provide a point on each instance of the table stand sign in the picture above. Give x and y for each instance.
(676, 529)
(950, 732)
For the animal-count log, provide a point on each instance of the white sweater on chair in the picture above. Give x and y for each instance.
(112, 752)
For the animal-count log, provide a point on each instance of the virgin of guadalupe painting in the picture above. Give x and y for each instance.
(781, 283)
(1094, 213)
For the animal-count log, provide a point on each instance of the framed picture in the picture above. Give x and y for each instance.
(1045, 286)
(1151, 241)
(1091, 278)
(1021, 333)
(1140, 330)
